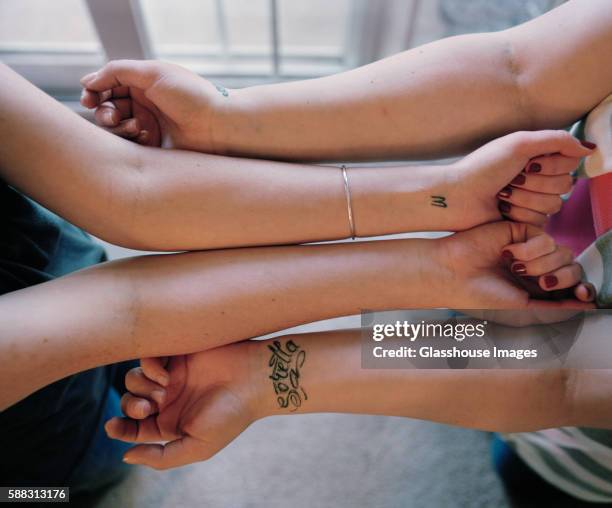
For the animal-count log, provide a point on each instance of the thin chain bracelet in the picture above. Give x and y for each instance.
(349, 204)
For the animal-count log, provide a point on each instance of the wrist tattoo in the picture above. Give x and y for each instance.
(285, 363)
(222, 90)
(439, 201)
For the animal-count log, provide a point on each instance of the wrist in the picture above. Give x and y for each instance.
(400, 199)
(261, 398)
(229, 108)
(420, 275)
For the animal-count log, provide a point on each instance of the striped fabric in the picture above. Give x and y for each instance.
(578, 461)
(596, 262)
(597, 128)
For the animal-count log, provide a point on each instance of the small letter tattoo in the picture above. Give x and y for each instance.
(439, 201)
(286, 363)
(222, 90)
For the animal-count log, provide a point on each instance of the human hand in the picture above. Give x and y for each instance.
(153, 103)
(199, 403)
(520, 176)
(507, 265)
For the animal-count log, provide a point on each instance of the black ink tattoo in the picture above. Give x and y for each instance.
(286, 363)
(439, 201)
(222, 90)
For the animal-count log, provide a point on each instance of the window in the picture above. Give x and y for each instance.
(237, 42)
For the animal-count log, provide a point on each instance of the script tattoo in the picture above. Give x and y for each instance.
(222, 90)
(438, 201)
(286, 363)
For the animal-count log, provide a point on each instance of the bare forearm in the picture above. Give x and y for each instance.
(190, 201)
(154, 199)
(439, 99)
(333, 380)
(162, 305)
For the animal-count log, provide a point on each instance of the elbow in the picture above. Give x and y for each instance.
(515, 69)
(122, 217)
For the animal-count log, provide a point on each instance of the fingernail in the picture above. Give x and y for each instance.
(550, 281)
(163, 379)
(519, 180)
(158, 396)
(107, 116)
(143, 406)
(504, 207)
(588, 144)
(128, 460)
(534, 167)
(88, 77)
(507, 255)
(143, 136)
(519, 269)
(506, 192)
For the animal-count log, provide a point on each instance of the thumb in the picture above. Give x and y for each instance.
(155, 369)
(133, 73)
(534, 144)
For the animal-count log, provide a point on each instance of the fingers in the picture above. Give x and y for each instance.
(522, 215)
(155, 369)
(179, 452)
(140, 385)
(534, 144)
(91, 98)
(529, 243)
(585, 292)
(132, 73)
(547, 204)
(540, 183)
(136, 407)
(553, 266)
(110, 113)
(550, 165)
(534, 194)
(544, 264)
(565, 277)
(135, 431)
(127, 128)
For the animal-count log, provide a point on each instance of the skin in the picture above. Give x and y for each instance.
(207, 399)
(175, 304)
(152, 199)
(443, 98)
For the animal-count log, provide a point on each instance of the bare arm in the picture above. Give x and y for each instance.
(181, 303)
(214, 395)
(334, 380)
(170, 304)
(442, 98)
(153, 199)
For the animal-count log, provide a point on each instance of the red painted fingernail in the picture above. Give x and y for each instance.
(519, 179)
(504, 207)
(550, 281)
(506, 192)
(534, 167)
(507, 255)
(588, 144)
(519, 269)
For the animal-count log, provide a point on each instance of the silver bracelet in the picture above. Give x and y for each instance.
(349, 205)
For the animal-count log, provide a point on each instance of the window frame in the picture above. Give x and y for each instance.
(388, 26)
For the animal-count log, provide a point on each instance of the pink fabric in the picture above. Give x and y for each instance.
(573, 225)
(601, 202)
